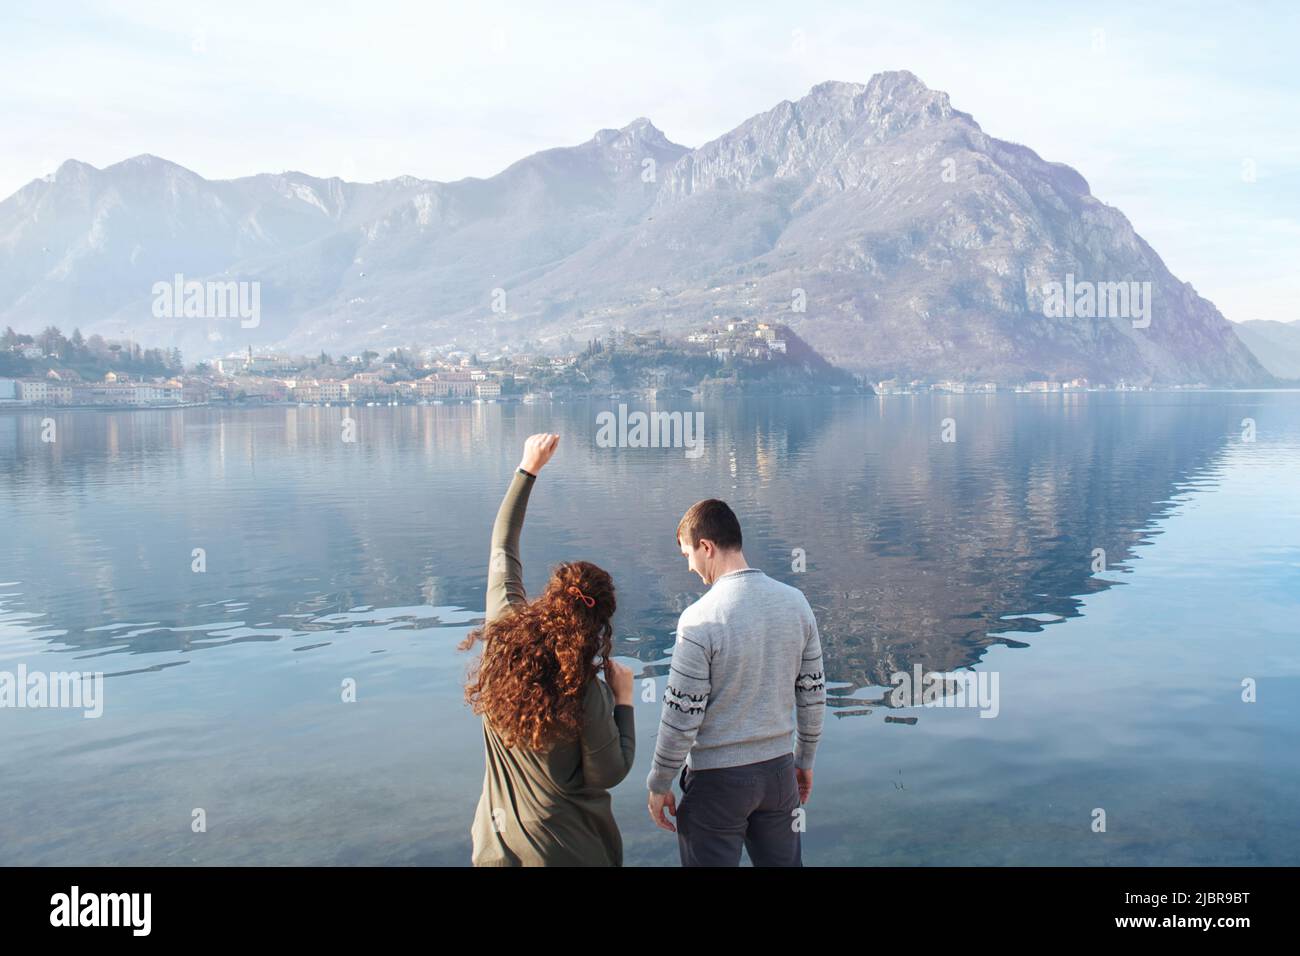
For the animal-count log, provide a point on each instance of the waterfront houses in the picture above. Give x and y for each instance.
(53, 390)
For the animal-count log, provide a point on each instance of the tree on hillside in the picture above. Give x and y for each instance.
(52, 341)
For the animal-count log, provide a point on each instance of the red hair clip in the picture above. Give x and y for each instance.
(589, 601)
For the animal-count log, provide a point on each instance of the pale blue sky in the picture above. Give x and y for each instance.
(1161, 110)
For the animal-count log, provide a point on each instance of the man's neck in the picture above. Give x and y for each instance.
(730, 561)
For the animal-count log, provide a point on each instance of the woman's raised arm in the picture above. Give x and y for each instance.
(505, 586)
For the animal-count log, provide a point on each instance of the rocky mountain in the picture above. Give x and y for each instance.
(880, 223)
(1275, 344)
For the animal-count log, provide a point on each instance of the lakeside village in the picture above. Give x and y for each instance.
(740, 356)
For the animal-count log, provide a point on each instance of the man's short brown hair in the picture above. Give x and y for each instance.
(710, 520)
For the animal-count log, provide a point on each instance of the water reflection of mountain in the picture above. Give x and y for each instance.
(919, 551)
(916, 549)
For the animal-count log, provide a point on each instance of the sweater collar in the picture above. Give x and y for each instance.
(737, 573)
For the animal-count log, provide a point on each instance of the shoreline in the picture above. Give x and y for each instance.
(19, 408)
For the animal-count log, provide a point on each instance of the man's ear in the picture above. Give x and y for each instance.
(709, 548)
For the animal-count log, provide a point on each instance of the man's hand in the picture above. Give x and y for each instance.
(538, 451)
(658, 801)
(804, 778)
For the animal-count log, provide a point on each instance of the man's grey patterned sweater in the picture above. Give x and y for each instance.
(746, 674)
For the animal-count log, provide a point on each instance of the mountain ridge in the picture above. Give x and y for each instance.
(919, 245)
(1275, 344)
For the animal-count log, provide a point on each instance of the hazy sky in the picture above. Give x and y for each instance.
(1185, 116)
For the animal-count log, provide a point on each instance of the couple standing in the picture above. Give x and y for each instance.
(746, 673)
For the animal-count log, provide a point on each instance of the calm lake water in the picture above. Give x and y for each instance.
(1119, 688)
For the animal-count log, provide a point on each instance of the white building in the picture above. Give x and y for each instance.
(144, 394)
(332, 391)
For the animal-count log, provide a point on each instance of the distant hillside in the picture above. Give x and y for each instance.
(730, 363)
(1275, 344)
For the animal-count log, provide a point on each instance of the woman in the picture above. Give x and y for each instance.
(555, 737)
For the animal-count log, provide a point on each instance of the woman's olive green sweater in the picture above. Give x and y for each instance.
(551, 807)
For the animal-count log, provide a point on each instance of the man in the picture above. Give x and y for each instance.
(746, 673)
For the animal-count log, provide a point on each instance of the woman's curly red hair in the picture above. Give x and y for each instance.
(538, 658)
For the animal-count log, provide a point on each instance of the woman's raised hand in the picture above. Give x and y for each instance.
(538, 451)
